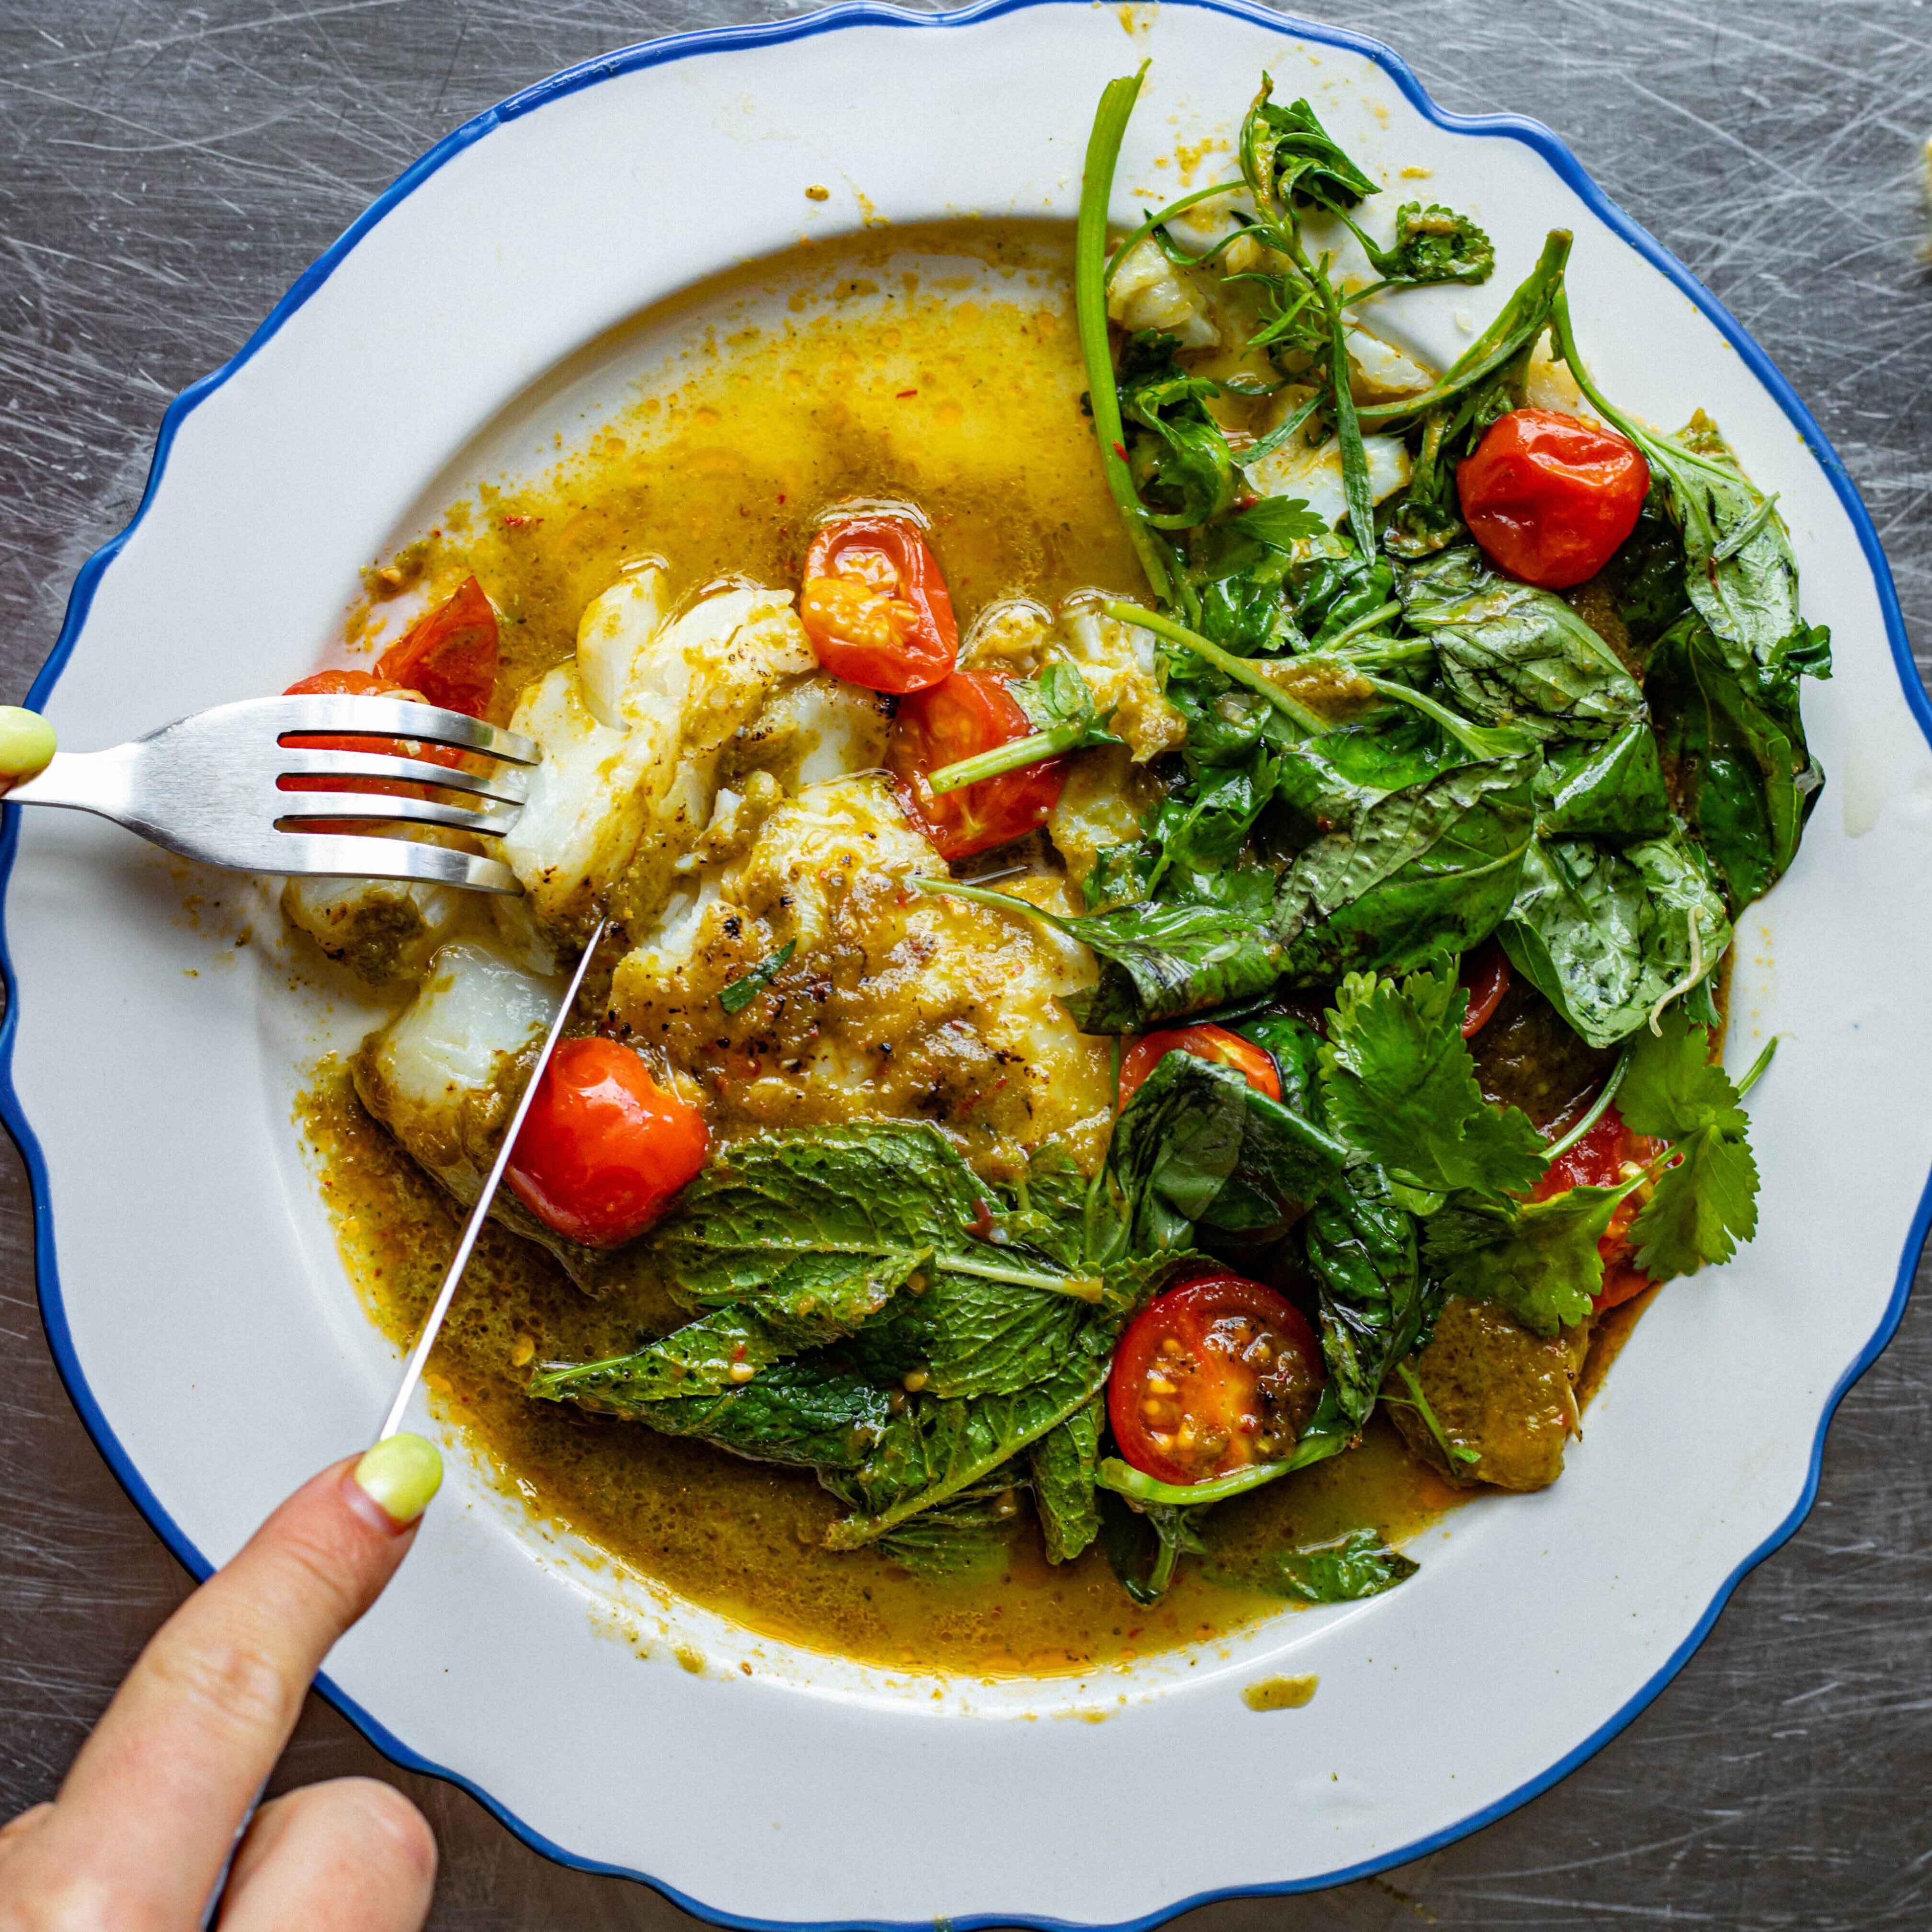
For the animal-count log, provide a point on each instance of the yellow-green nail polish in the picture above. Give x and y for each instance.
(401, 1475)
(27, 742)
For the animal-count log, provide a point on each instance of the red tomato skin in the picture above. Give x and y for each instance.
(1598, 1161)
(603, 1147)
(927, 656)
(449, 654)
(358, 684)
(1187, 1313)
(1550, 498)
(1486, 973)
(1254, 1063)
(971, 712)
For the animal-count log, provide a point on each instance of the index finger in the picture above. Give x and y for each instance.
(149, 1810)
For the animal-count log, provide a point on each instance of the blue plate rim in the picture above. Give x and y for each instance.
(679, 47)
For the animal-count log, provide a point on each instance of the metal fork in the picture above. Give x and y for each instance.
(207, 787)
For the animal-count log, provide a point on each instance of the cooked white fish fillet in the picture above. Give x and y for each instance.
(1316, 475)
(1120, 667)
(434, 1075)
(895, 1004)
(614, 805)
(385, 929)
(1149, 292)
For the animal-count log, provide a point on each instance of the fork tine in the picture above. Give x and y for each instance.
(345, 855)
(496, 820)
(388, 718)
(511, 783)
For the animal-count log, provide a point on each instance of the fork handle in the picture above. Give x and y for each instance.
(98, 781)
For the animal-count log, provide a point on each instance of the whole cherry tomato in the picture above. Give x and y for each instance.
(449, 654)
(875, 604)
(603, 1147)
(1211, 1376)
(1598, 1160)
(1255, 1064)
(1550, 498)
(1486, 974)
(971, 712)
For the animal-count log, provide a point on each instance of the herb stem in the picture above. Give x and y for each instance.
(1239, 669)
(1598, 1108)
(1080, 1287)
(1756, 1070)
(1012, 756)
(1160, 215)
(998, 901)
(1090, 292)
(1481, 741)
(1371, 621)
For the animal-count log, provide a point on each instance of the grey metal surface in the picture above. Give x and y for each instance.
(167, 169)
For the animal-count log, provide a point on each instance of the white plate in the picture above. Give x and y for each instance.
(188, 1278)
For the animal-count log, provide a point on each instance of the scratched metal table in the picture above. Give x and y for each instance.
(168, 170)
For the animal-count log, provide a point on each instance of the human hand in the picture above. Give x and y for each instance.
(137, 1837)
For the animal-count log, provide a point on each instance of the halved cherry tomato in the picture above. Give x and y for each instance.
(1212, 1375)
(1598, 1160)
(1255, 1064)
(1549, 498)
(1486, 973)
(603, 1147)
(971, 712)
(449, 654)
(875, 605)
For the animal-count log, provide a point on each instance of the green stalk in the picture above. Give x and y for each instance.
(1081, 1288)
(1598, 1107)
(1348, 434)
(1393, 608)
(1757, 1066)
(979, 895)
(1239, 669)
(1479, 741)
(1155, 219)
(1090, 297)
(1013, 756)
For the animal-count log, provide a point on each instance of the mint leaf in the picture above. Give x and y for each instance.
(1705, 1203)
(1537, 1260)
(1672, 1087)
(1399, 1084)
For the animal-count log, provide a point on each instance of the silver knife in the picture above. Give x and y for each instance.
(432, 1328)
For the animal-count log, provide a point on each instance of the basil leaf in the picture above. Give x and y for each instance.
(1610, 788)
(1343, 1570)
(1063, 1491)
(736, 994)
(1604, 936)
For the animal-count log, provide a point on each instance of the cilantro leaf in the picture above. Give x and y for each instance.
(1537, 1260)
(1672, 1087)
(1398, 1083)
(1279, 522)
(1705, 1203)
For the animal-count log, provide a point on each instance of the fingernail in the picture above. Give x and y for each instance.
(27, 742)
(399, 1476)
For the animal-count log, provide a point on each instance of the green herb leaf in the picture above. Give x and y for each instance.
(1279, 522)
(1063, 1491)
(1400, 1083)
(1705, 1203)
(1671, 1087)
(1610, 788)
(736, 994)
(1538, 1260)
(1605, 936)
(1198, 1149)
(1343, 1570)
